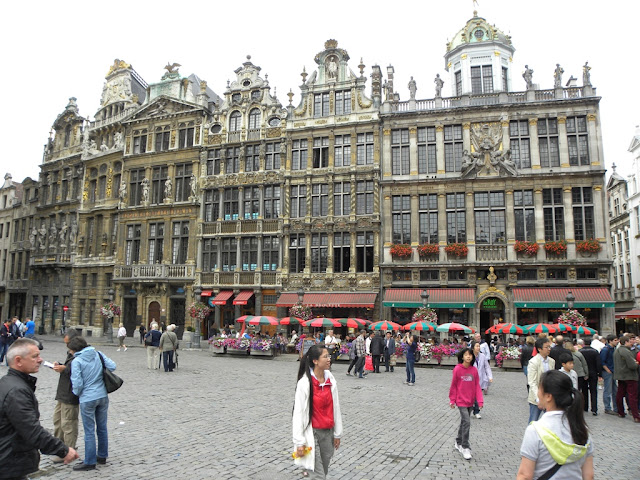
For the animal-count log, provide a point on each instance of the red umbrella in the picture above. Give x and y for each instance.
(353, 322)
(244, 318)
(541, 328)
(322, 322)
(385, 325)
(420, 326)
(264, 320)
(454, 327)
(563, 327)
(291, 321)
(582, 330)
(506, 328)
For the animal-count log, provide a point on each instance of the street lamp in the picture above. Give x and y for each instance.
(111, 294)
(196, 338)
(425, 298)
(300, 295)
(570, 299)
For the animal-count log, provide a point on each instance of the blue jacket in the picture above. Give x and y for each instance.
(86, 374)
(606, 355)
(410, 354)
(155, 337)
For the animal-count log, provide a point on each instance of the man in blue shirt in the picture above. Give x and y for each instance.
(31, 328)
(610, 387)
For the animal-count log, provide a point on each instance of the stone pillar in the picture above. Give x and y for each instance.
(511, 227)
(240, 203)
(466, 137)
(413, 150)
(258, 301)
(506, 137)
(569, 232)
(594, 143)
(386, 152)
(442, 224)
(599, 214)
(415, 220)
(534, 144)
(563, 147)
(471, 226)
(440, 149)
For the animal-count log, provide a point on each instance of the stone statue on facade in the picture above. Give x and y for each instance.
(32, 237)
(439, 84)
(42, 237)
(145, 189)
(528, 77)
(53, 236)
(103, 147)
(557, 76)
(118, 142)
(73, 234)
(586, 75)
(468, 163)
(168, 186)
(332, 68)
(193, 184)
(412, 89)
(62, 235)
(122, 191)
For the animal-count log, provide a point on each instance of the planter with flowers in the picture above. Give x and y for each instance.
(559, 248)
(262, 348)
(110, 310)
(237, 346)
(424, 314)
(459, 250)
(588, 247)
(445, 354)
(425, 349)
(526, 248)
(343, 353)
(508, 357)
(216, 345)
(572, 317)
(428, 250)
(301, 311)
(401, 251)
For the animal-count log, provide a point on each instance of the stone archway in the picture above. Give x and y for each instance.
(153, 313)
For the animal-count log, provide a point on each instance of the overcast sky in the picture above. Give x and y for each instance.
(56, 50)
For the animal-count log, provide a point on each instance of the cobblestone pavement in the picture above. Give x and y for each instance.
(230, 418)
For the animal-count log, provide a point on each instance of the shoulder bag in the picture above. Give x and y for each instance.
(111, 381)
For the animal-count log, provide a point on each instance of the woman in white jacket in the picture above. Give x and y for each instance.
(317, 421)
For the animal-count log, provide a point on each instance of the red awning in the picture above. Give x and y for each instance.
(206, 293)
(629, 314)
(438, 297)
(221, 298)
(542, 297)
(330, 299)
(243, 297)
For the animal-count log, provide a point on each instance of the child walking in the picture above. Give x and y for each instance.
(566, 360)
(464, 392)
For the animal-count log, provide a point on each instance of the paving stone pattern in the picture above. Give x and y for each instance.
(229, 418)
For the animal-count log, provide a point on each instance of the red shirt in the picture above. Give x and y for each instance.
(322, 417)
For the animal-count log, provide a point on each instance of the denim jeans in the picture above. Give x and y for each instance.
(411, 373)
(3, 353)
(94, 420)
(167, 359)
(463, 429)
(610, 391)
(534, 413)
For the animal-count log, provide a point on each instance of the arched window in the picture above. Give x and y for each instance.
(254, 118)
(235, 121)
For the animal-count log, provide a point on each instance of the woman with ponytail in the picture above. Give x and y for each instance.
(560, 440)
(317, 421)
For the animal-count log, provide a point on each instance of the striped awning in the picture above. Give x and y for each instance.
(438, 297)
(543, 297)
(629, 314)
(330, 299)
(221, 298)
(243, 297)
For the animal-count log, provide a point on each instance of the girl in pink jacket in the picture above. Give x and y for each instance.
(464, 392)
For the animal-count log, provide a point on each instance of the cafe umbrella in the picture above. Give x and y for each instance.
(420, 326)
(322, 322)
(454, 327)
(291, 321)
(541, 328)
(504, 328)
(352, 322)
(264, 320)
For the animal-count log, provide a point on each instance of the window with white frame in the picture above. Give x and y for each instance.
(481, 79)
(321, 152)
(578, 140)
(156, 242)
(298, 199)
(427, 151)
(364, 148)
(341, 198)
(251, 203)
(524, 215)
(341, 252)
(343, 102)
(249, 253)
(254, 119)
(270, 253)
(520, 143)
(211, 205)
(321, 105)
(272, 156)
(401, 218)
(553, 214)
(548, 142)
(232, 160)
(299, 155)
(163, 135)
(342, 151)
(231, 203)
(252, 158)
(180, 240)
(132, 244)
(490, 217)
(139, 141)
(182, 182)
(453, 148)
(319, 252)
(400, 152)
(235, 121)
(297, 252)
(209, 254)
(228, 252)
(271, 201)
(364, 197)
(428, 218)
(583, 213)
(456, 218)
(319, 200)
(213, 161)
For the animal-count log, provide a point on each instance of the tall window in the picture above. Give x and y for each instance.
(321, 152)
(249, 254)
(102, 187)
(251, 203)
(453, 148)
(271, 201)
(343, 102)
(183, 179)
(213, 162)
(341, 151)
(158, 179)
(364, 149)
(230, 203)
(341, 252)
(456, 221)
(490, 217)
(139, 141)
(299, 155)
(428, 217)
(583, 216)
(115, 185)
(578, 140)
(553, 214)
(400, 152)
(427, 158)
(228, 249)
(297, 252)
(401, 218)
(520, 152)
(132, 254)
(272, 156)
(270, 253)
(458, 76)
(637, 215)
(163, 135)
(252, 158)
(232, 161)
(364, 251)
(298, 201)
(341, 198)
(319, 252)
(209, 254)
(180, 240)
(548, 141)
(524, 215)
(235, 121)
(364, 197)
(319, 200)
(481, 79)
(254, 119)
(135, 187)
(156, 242)
(505, 80)
(93, 187)
(67, 135)
(211, 205)
(321, 105)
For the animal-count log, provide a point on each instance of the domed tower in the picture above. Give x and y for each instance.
(479, 59)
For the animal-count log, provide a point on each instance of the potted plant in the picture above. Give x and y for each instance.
(301, 311)
(216, 345)
(424, 314)
(237, 346)
(459, 250)
(427, 250)
(110, 310)
(572, 317)
(262, 347)
(588, 246)
(445, 354)
(401, 251)
(508, 357)
(557, 248)
(526, 248)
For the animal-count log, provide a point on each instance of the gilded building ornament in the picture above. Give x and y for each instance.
(361, 102)
(562, 120)
(300, 113)
(504, 123)
(118, 65)
(413, 130)
(274, 132)
(439, 128)
(215, 139)
(533, 121)
(591, 117)
(386, 132)
(197, 139)
(466, 126)
(173, 139)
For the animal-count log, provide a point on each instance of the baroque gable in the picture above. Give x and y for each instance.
(162, 107)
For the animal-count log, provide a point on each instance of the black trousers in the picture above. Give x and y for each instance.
(387, 362)
(376, 363)
(590, 389)
(353, 362)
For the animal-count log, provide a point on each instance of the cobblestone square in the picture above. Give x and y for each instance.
(229, 417)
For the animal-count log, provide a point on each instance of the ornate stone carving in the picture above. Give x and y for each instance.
(487, 159)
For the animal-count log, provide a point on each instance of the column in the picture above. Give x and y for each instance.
(511, 227)
(600, 214)
(258, 301)
(562, 142)
(440, 149)
(240, 203)
(413, 151)
(594, 150)
(466, 137)
(506, 137)
(569, 232)
(534, 144)
(386, 152)
(471, 226)
(442, 224)
(415, 220)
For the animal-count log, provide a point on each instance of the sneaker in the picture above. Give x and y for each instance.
(411, 384)
(102, 460)
(406, 382)
(610, 412)
(125, 349)
(478, 416)
(349, 373)
(457, 446)
(466, 453)
(117, 350)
